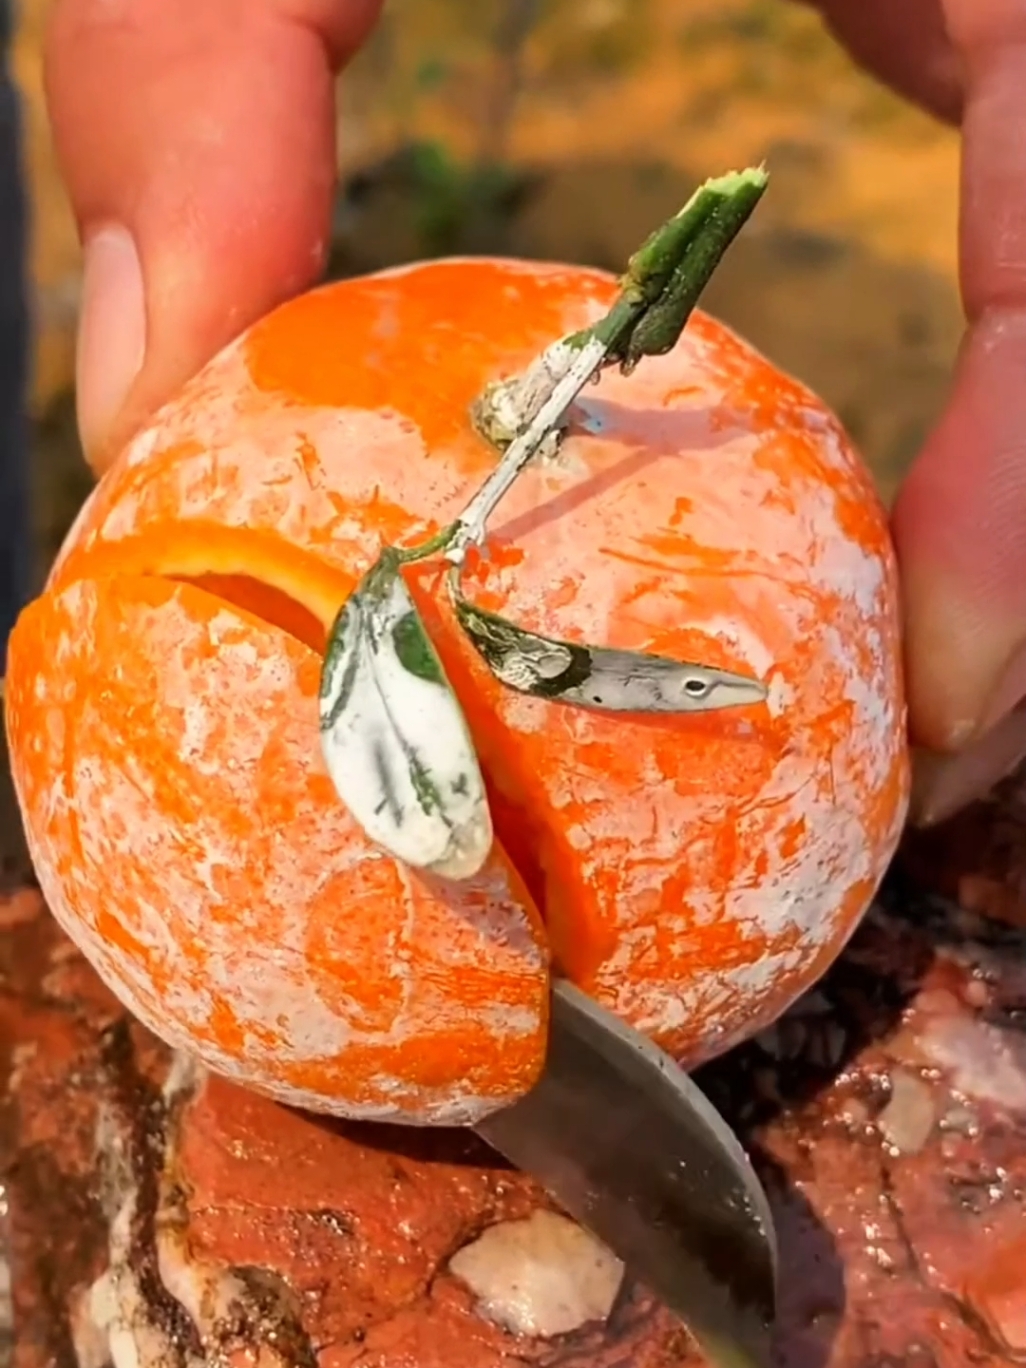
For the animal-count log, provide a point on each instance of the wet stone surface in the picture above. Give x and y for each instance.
(161, 1218)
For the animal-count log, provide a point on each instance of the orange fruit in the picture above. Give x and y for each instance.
(694, 873)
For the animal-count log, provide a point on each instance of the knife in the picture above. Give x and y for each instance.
(631, 1148)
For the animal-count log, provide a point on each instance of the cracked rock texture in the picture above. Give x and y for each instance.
(162, 1219)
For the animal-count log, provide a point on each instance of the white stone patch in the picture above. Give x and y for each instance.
(908, 1119)
(215, 1298)
(542, 1276)
(983, 1061)
(117, 1304)
(88, 1331)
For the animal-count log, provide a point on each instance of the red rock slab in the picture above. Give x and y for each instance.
(162, 1218)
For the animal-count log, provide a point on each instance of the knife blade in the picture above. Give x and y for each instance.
(632, 1149)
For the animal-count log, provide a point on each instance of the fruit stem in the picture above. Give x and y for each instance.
(393, 736)
(408, 555)
(658, 292)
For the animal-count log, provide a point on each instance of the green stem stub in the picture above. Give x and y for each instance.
(393, 735)
(667, 274)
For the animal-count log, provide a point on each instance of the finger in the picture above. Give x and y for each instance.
(197, 143)
(960, 521)
(905, 44)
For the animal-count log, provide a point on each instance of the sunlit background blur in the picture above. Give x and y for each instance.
(565, 129)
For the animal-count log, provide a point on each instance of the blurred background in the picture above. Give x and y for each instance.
(566, 129)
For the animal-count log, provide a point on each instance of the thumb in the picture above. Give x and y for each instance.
(960, 521)
(197, 143)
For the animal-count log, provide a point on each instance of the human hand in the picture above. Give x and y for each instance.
(960, 520)
(204, 135)
(197, 142)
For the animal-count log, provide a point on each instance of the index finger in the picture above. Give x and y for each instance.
(198, 145)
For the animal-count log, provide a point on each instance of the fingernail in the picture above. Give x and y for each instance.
(944, 784)
(111, 334)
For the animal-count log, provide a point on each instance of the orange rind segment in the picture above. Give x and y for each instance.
(165, 746)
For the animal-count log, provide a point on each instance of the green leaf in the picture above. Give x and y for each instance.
(415, 651)
(393, 735)
(599, 677)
